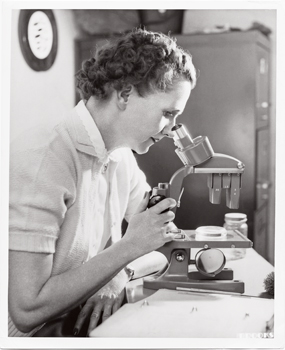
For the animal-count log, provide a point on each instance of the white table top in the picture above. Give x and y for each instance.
(171, 313)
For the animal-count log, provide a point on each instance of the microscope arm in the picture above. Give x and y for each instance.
(220, 163)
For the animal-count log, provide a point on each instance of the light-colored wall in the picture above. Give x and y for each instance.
(42, 97)
(198, 20)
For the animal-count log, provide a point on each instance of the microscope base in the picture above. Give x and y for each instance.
(177, 275)
(213, 285)
(225, 274)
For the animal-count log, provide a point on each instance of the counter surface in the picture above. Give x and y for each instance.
(150, 313)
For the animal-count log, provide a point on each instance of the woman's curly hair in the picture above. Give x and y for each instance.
(147, 60)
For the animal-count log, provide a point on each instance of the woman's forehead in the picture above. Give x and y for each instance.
(179, 93)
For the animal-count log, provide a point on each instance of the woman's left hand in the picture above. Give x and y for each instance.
(102, 304)
(99, 305)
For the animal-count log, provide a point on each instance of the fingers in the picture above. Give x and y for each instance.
(83, 315)
(95, 317)
(107, 311)
(118, 302)
(171, 227)
(112, 306)
(105, 308)
(169, 232)
(116, 306)
(163, 205)
(169, 236)
(167, 217)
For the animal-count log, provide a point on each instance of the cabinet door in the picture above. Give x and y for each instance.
(262, 87)
(260, 231)
(262, 138)
(262, 193)
(262, 150)
(262, 167)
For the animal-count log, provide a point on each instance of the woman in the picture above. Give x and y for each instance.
(71, 189)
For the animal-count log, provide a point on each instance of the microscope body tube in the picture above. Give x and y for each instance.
(198, 156)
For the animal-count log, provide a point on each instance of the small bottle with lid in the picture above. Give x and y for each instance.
(236, 222)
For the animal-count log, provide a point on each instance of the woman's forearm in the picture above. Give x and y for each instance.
(61, 293)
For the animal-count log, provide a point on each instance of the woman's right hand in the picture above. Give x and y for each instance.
(147, 230)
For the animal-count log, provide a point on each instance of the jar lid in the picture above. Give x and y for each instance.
(235, 216)
(211, 231)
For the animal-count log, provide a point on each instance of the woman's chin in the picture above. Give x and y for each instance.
(143, 147)
(140, 150)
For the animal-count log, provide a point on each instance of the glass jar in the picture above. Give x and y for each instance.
(235, 222)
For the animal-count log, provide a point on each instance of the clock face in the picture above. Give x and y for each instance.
(38, 38)
(40, 34)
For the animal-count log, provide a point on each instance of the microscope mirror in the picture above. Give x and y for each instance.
(210, 261)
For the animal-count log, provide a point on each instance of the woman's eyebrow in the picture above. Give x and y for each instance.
(177, 111)
(172, 110)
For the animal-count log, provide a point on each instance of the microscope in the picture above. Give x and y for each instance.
(225, 172)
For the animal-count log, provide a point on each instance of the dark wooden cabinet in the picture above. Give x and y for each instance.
(230, 105)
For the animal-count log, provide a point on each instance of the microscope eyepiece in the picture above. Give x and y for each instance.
(177, 126)
(180, 133)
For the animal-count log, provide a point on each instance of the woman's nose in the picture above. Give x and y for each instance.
(167, 131)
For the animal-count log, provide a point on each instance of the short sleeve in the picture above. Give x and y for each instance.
(42, 187)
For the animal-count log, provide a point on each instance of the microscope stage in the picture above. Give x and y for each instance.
(233, 239)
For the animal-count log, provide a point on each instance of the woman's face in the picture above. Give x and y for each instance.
(153, 116)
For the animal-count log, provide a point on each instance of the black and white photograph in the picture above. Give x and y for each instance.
(141, 175)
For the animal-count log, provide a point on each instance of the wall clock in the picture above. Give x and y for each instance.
(37, 32)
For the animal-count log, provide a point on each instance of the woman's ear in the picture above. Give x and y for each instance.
(124, 95)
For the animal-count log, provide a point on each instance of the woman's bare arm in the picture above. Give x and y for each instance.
(36, 297)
